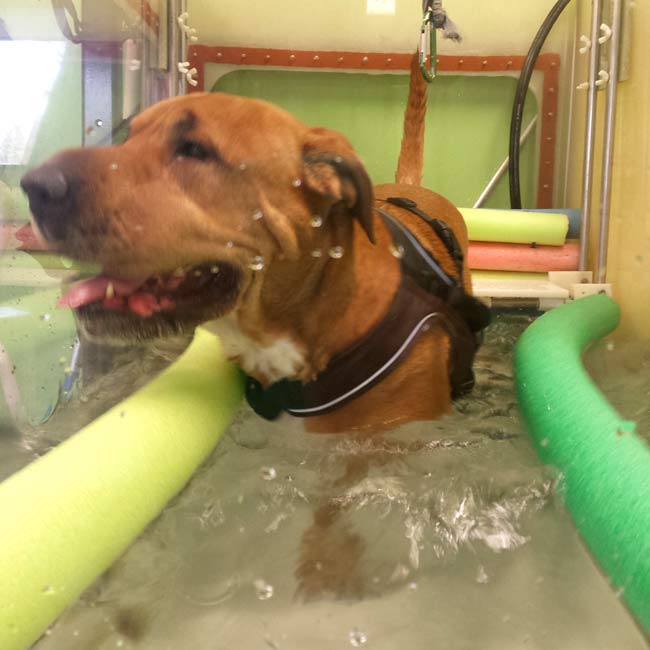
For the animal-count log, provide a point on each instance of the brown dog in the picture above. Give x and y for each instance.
(225, 209)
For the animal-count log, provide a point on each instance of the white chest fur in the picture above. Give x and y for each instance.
(282, 358)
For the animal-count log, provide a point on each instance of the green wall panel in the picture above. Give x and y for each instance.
(467, 123)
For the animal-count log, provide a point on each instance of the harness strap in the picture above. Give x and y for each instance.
(427, 297)
(372, 358)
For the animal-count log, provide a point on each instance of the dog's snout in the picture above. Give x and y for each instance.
(49, 193)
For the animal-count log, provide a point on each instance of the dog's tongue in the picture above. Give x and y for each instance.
(96, 290)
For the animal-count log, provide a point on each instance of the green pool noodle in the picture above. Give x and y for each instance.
(515, 226)
(605, 466)
(67, 516)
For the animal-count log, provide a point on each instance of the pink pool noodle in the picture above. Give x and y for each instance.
(492, 256)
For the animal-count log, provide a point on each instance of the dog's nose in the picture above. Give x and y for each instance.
(45, 184)
(49, 196)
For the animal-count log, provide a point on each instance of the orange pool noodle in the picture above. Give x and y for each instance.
(492, 256)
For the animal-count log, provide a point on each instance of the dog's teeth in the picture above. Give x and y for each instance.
(110, 290)
(214, 269)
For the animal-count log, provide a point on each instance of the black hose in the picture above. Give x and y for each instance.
(520, 100)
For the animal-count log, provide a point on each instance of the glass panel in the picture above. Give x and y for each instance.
(431, 533)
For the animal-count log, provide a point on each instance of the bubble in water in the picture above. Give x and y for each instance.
(397, 251)
(257, 215)
(296, 182)
(268, 473)
(317, 252)
(263, 589)
(357, 638)
(257, 263)
(482, 576)
(46, 317)
(316, 221)
(336, 252)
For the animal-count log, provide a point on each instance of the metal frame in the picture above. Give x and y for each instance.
(548, 64)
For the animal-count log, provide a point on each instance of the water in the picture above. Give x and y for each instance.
(446, 534)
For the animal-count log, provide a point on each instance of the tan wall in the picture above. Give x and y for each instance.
(629, 237)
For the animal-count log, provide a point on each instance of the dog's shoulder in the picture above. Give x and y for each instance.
(436, 207)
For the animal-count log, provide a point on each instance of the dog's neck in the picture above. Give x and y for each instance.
(291, 323)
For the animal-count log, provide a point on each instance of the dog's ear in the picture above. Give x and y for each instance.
(333, 170)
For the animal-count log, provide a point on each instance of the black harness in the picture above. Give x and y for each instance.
(427, 296)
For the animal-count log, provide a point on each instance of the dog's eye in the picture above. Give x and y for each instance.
(191, 149)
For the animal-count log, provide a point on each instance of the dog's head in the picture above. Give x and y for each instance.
(206, 195)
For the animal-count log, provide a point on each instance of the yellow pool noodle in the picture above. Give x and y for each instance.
(516, 226)
(67, 516)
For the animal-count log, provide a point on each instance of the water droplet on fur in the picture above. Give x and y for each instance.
(46, 317)
(316, 221)
(317, 252)
(242, 166)
(482, 576)
(257, 215)
(263, 589)
(397, 251)
(229, 244)
(338, 160)
(336, 252)
(296, 182)
(268, 473)
(257, 263)
(138, 228)
(357, 638)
